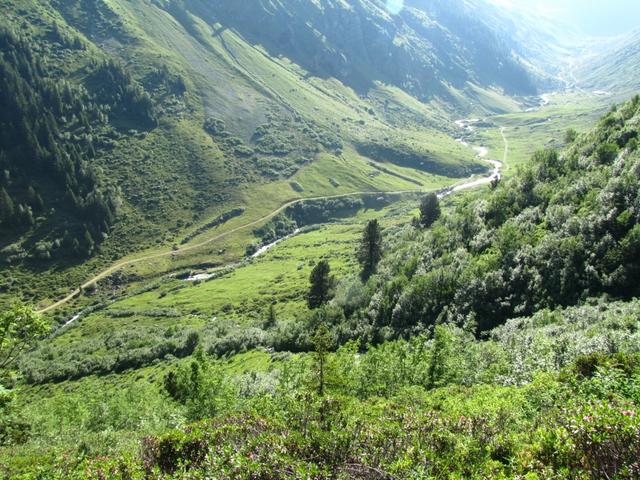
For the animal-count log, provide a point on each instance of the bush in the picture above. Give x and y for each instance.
(606, 153)
(13, 429)
(597, 440)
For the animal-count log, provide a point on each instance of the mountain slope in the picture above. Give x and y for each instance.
(423, 49)
(614, 68)
(230, 113)
(564, 229)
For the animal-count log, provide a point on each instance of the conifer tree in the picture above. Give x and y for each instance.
(88, 242)
(320, 287)
(322, 343)
(271, 320)
(429, 209)
(6, 206)
(370, 250)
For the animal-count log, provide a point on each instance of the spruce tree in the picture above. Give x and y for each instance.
(429, 209)
(271, 319)
(322, 344)
(6, 206)
(439, 354)
(88, 242)
(320, 287)
(370, 250)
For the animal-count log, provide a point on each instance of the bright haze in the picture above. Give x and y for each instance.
(593, 17)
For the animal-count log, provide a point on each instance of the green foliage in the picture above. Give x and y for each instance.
(114, 86)
(13, 428)
(429, 209)
(114, 352)
(559, 231)
(278, 227)
(201, 386)
(20, 328)
(440, 404)
(606, 153)
(570, 135)
(321, 283)
(47, 141)
(319, 211)
(554, 427)
(370, 249)
(322, 345)
(271, 319)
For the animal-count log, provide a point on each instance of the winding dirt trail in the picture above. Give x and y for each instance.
(127, 263)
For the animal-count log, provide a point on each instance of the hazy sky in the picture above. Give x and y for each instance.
(594, 17)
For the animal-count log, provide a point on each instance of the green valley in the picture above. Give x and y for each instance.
(317, 239)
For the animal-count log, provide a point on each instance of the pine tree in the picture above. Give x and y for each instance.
(25, 214)
(429, 209)
(370, 250)
(271, 320)
(88, 242)
(320, 287)
(6, 206)
(322, 344)
(439, 353)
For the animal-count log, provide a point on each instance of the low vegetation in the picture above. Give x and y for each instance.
(389, 381)
(292, 286)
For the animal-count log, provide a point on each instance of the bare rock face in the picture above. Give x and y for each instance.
(427, 45)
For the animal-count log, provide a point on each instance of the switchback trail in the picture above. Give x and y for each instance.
(127, 263)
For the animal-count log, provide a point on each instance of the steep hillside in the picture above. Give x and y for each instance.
(565, 228)
(614, 68)
(424, 48)
(175, 113)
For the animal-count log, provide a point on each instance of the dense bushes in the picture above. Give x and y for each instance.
(278, 227)
(114, 353)
(13, 428)
(321, 211)
(559, 426)
(114, 86)
(563, 229)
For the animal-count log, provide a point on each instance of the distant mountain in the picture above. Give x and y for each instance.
(545, 43)
(423, 49)
(615, 67)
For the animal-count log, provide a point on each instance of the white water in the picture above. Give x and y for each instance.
(73, 319)
(467, 124)
(262, 250)
(268, 247)
(482, 153)
(200, 277)
(206, 276)
(546, 99)
(495, 175)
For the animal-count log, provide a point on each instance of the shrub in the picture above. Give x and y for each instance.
(606, 153)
